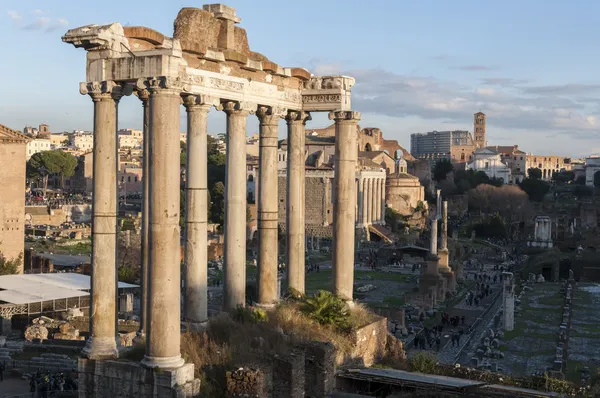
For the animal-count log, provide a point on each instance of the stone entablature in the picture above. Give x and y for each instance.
(127, 54)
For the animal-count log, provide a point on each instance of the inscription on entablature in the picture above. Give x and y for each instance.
(321, 98)
(225, 84)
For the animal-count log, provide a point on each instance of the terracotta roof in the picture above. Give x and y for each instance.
(370, 154)
(10, 135)
(504, 148)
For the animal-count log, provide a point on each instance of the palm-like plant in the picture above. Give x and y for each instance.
(327, 309)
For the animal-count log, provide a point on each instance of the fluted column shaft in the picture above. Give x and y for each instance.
(438, 207)
(365, 200)
(360, 200)
(382, 201)
(377, 198)
(295, 200)
(346, 154)
(196, 211)
(267, 205)
(369, 200)
(102, 343)
(164, 293)
(144, 96)
(234, 293)
(445, 225)
(434, 238)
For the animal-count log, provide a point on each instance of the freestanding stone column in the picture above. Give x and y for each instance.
(434, 238)
(508, 300)
(164, 291)
(445, 225)
(369, 199)
(377, 198)
(234, 293)
(382, 198)
(360, 201)
(438, 207)
(267, 205)
(346, 154)
(102, 343)
(365, 201)
(294, 212)
(144, 96)
(196, 212)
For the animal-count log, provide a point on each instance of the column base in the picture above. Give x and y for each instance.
(266, 306)
(173, 362)
(101, 348)
(193, 326)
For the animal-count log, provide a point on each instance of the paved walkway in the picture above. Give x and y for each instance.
(12, 386)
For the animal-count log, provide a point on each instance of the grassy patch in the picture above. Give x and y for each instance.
(394, 301)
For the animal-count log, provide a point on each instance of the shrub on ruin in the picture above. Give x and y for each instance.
(328, 309)
(243, 314)
(423, 362)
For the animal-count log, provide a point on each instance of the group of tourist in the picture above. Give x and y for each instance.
(432, 336)
(44, 383)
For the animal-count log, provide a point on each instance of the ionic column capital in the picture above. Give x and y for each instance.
(297, 116)
(344, 116)
(161, 84)
(105, 90)
(239, 107)
(270, 115)
(195, 102)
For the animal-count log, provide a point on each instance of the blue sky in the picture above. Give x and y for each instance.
(531, 66)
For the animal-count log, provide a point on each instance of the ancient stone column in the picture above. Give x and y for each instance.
(434, 238)
(365, 201)
(377, 198)
(267, 205)
(361, 198)
(445, 225)
(144, 96)
(382, 198)
(102, 343)
(508, 300)
(346, 154)
(164, 299)
(196, 212)
(294, 215)
(234, 293)
(369, 200)
(438, 207)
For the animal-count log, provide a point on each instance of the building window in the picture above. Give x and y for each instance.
(487, 165)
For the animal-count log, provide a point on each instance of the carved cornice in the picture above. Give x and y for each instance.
(105, 90)
(194, 102)
(231, 107)
(339, 116)
(330, 82)
(297, 116)
(98, 38)
(143, 95)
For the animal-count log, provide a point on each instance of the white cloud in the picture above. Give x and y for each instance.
(38, 12)
(15, 16)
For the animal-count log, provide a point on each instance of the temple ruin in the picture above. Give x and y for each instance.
(206, 65)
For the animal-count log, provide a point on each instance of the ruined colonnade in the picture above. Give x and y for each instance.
(166, 73)
(161, 98)
(371, 200)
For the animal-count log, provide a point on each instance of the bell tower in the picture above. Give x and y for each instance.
(479, 130)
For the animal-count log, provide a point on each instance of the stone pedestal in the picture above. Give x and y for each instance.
(344, 204)
(443, 262)
(100, 379)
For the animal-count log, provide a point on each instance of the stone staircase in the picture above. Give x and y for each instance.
(10, 348)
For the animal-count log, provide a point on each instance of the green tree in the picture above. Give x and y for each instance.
(582, 190)
(563, 177)
(8, 266)
(217, 193)
(535, 188)
(534, 173)
(441, 169)
(43, 164)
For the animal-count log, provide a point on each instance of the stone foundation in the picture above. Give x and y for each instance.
(319, 369)
(121, 379)
(443, 256)
(369, 343)
(450, 279)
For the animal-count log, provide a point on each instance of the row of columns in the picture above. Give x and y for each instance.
(371, 209)
(161, 98)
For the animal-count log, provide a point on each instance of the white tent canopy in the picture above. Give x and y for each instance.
(35, 288)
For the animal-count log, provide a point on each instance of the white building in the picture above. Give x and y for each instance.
(37, 145)
(82, 140)
(488, 160)
(592, 166)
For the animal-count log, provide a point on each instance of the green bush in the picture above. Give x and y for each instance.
(423, 362)
(327, 309)
(243, 314)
